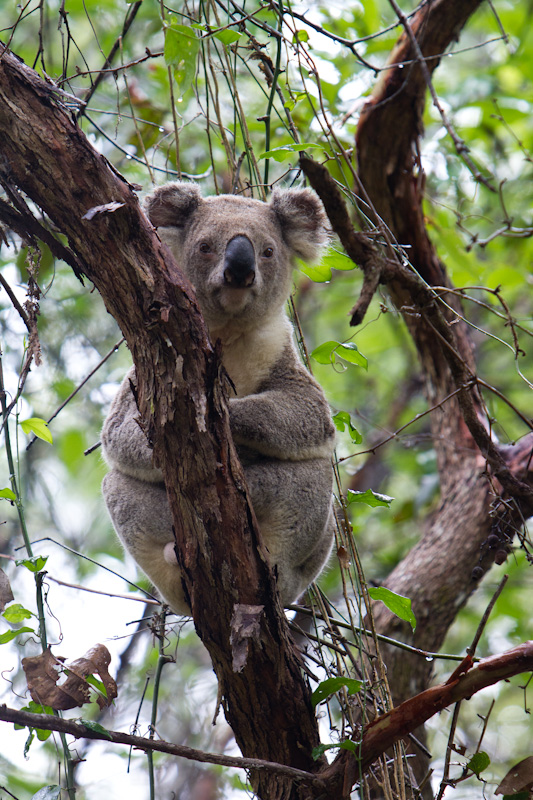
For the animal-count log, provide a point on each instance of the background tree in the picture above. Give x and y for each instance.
(228, 87)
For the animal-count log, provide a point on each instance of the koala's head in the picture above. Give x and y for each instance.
(237, 252)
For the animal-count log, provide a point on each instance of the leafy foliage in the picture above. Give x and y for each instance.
(230, 99)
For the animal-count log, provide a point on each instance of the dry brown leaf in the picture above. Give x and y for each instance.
(6, 595)
(43, 673)
(518, 779)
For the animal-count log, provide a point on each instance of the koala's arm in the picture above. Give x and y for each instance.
(288, 418)
(124, 443)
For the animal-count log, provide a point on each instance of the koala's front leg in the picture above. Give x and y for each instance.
(124, 443)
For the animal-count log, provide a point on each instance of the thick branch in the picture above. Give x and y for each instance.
(442, 570)
(429, 308)
(391, 123)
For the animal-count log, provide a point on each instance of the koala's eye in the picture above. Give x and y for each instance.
(204, 248)
(269, 252)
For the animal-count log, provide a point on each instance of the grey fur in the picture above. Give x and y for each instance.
(279, 417)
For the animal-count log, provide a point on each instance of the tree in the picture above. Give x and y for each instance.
(94, 227)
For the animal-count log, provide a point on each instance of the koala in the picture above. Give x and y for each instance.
(238, 253)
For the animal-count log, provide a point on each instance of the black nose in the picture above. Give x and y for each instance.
(239, 262)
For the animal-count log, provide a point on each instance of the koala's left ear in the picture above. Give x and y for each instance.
(303, 221)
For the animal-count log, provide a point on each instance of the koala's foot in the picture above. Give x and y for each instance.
(169, 554)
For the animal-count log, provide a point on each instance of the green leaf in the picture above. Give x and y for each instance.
(350, 352)
(98, 685)
(180, 51)
(343, 420)
(16, 614)
(300, 36)
(10, 635)
(321, 273)
(328, 352)
(48, 792)
(42, 735)
(285, 151)
(369, 498)
(228, 36)
(399, 605)
(318, 273)
(7, 494)
(325, 353)
(37, 426)
(290, 104)
(36, 708)
(478, 762)
(331, 685)
(320, 749)
(519, 796)
(34, 564)
(29, 740)
(96, 727)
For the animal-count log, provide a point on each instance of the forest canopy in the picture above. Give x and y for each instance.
(412, 124)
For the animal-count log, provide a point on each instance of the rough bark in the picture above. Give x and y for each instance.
(46, 156)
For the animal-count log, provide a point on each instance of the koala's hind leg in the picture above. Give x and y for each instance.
(292, 501)
(141, 517)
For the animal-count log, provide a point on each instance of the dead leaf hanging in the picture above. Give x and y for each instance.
(44, 672)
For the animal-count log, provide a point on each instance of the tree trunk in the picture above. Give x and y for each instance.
(45, 155)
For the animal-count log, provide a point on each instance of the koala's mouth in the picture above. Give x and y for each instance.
(234, 299)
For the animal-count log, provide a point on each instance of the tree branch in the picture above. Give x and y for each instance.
(49, 722)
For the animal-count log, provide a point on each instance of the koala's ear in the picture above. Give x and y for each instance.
(171, 205)
(303, 221)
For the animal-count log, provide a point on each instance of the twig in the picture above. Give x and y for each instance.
(97, 591)
(14, 301)
(445, 782)
(460, 146)
(77, 389)
(130, 16)
(382, 638)
(403, 427)
(23, 222)
(92, 561)
(475, 641)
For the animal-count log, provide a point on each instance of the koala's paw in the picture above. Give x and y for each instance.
(169, 554)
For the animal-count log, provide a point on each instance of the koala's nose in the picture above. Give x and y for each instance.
(239, 262)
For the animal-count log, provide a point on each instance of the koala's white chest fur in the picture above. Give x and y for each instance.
(248, 356)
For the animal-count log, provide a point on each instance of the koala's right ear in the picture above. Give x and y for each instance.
(172, 204)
